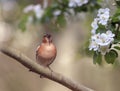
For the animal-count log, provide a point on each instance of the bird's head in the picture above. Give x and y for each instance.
(47, 38)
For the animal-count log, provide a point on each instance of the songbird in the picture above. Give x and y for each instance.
(46, 52)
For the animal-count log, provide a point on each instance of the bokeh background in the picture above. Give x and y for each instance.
(71, 59)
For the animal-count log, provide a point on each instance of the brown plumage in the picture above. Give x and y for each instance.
(46, 52)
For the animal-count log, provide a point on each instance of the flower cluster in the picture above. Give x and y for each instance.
(102, 18)
(37, 9)
(101, 41)
(57, 13)
(77, 3)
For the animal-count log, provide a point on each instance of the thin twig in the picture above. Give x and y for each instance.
(33, 66)
(117, 30)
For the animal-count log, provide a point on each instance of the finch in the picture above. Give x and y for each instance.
(46, 52)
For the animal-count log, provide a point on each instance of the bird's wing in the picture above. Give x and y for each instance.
(37, 51)
(52, 59)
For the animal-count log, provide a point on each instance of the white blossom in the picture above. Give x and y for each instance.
(93, 31)
(103, 11)
(37, 9)
(101, 42)
(110, 34)
(103, 16)
(57, 12)
(103, 19)
(72, 3)
(93, 44)
(81, 2)
(28, 8)
(75, 3)
(94, 26)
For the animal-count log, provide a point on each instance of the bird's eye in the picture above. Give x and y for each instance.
(49, 36)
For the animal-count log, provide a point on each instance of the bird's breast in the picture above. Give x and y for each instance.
(47, 51)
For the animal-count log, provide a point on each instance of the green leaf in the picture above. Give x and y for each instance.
(22, 24)
(117, 36)
(97, 58)
(116, 16)
(117, 47)
(111, 56)
(46, 18)
(61, 20)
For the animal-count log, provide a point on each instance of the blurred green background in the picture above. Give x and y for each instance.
(71, 59)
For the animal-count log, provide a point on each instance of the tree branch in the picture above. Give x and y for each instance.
(33, 66)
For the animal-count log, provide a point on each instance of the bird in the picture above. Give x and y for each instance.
(46, 52)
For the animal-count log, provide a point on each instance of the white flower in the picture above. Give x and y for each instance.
(103, 19)
(75, 3)
(103, 11)
(94, 45)
(110, 34)
(93, 31)
(72, 3)
(104, 39)
(37, 9)
(101, 42)
(81, 2)
(103, 16)
(28, 8)
(78, 2)
(57, 12)
(94, 24)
